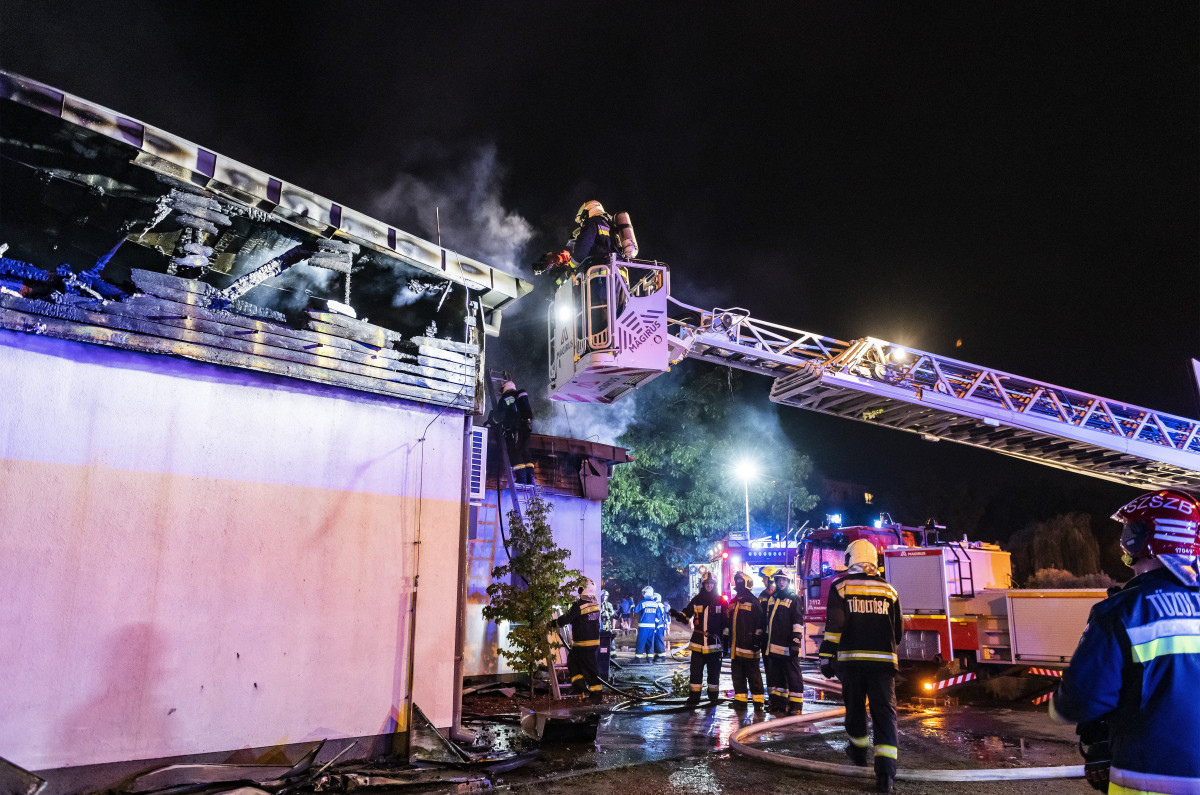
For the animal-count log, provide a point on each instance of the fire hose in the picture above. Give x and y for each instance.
(738, 744)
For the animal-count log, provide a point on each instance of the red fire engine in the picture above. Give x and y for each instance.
(958, 597)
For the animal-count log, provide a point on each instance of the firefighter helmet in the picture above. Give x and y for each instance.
(509, 386)
(767, 572)
(860, 552)
(708, 580)
(647, 592)
(1163, 524)
(782, 574)
(739, 580)
(603, 595)
(587, 210)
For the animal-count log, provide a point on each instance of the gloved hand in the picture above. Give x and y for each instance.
(543, 263)
(828, 670)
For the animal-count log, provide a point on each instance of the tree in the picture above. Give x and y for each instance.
(542, 584)
(1064, 542)
(680, 493)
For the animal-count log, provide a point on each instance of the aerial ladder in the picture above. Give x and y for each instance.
(614, 326)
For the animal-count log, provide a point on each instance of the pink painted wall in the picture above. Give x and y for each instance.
(195, 559)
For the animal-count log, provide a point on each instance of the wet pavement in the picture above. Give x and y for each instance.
(947, 736)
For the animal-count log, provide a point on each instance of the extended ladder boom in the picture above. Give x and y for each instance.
(880, 382)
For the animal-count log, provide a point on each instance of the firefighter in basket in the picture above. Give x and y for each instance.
(707, 616)
(597, 237)
(863, 628)
(1132, 683)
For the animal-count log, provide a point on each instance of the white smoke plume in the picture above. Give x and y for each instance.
(593, 422)
(468, 200)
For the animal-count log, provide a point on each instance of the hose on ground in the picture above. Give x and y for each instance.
(737, 744)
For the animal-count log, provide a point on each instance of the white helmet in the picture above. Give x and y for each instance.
(509, 386)
(658, 597)
(782, 574)
(587, 210)
(863, 554)
(647, 592)
(589, 587)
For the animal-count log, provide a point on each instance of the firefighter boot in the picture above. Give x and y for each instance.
(693, 698)
(885, 774)
(758, 705)
(857, 754)
(739, 702)
(714, 695)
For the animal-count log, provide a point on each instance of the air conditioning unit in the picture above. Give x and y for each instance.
(478, 464)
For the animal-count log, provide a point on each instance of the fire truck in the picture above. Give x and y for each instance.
(957, 595)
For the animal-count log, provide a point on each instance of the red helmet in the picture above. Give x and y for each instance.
(1163, 524)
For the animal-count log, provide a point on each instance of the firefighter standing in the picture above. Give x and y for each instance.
(660, 633)
(1138, 662)
(745, 628)
(515, 418)
(584, 618)
(707, 617)
(647, 614)
(767, 573)
(606, 612)
(863, 627)
(784, 630)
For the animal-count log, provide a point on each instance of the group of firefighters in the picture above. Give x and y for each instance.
(1130, 688)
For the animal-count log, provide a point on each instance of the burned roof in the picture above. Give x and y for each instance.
(117, 233)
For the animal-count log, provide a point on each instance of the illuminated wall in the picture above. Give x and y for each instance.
(195, 559)
(575, 522)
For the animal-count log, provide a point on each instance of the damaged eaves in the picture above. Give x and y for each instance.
(123, 235)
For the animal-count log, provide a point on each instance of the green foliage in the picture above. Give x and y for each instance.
(681, 683)
(543, 583)
(1058, 578)
(680, 494)
(1063, 542)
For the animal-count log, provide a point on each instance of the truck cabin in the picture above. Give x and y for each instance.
(824, 558)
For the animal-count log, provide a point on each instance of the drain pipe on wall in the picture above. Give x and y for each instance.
(457, 732)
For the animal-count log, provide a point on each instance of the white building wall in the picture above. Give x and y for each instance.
(575, 522)
(195, 558)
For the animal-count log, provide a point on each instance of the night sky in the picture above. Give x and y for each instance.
(1023, 178)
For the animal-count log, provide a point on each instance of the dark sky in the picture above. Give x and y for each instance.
(1024, 178)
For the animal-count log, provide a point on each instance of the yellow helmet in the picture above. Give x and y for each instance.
(862, 551)
(587, 210)
(767, 572)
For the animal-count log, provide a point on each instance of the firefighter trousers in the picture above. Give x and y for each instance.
(660, 642)
(744, 670)
(701, 661)
(582, 668)
(517, 442)
(873, 683)
(784, 682)
(645, 641)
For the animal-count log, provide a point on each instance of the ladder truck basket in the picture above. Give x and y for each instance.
(608, 331)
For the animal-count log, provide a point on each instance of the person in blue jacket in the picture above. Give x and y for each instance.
(660, 635)
(646, 614)
(1133, 681)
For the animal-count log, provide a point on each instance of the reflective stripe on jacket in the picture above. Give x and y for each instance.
(584, 618)
(863, 623)
(785, 623)
(1137, 665)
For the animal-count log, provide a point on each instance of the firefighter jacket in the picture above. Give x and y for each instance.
(784, 623)
(584, 618)
(745, 623)
(606, 614)
(863, 623)
(649, 613)
(707, 616)
(1136, 667)
(513, 412)
(764, 596)
(594, 243)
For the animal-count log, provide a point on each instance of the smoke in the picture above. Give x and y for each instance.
(593, 422)
(467, 197)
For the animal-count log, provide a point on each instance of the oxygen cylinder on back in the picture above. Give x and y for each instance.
(626, 241)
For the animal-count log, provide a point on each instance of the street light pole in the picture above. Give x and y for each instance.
(746, 483)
